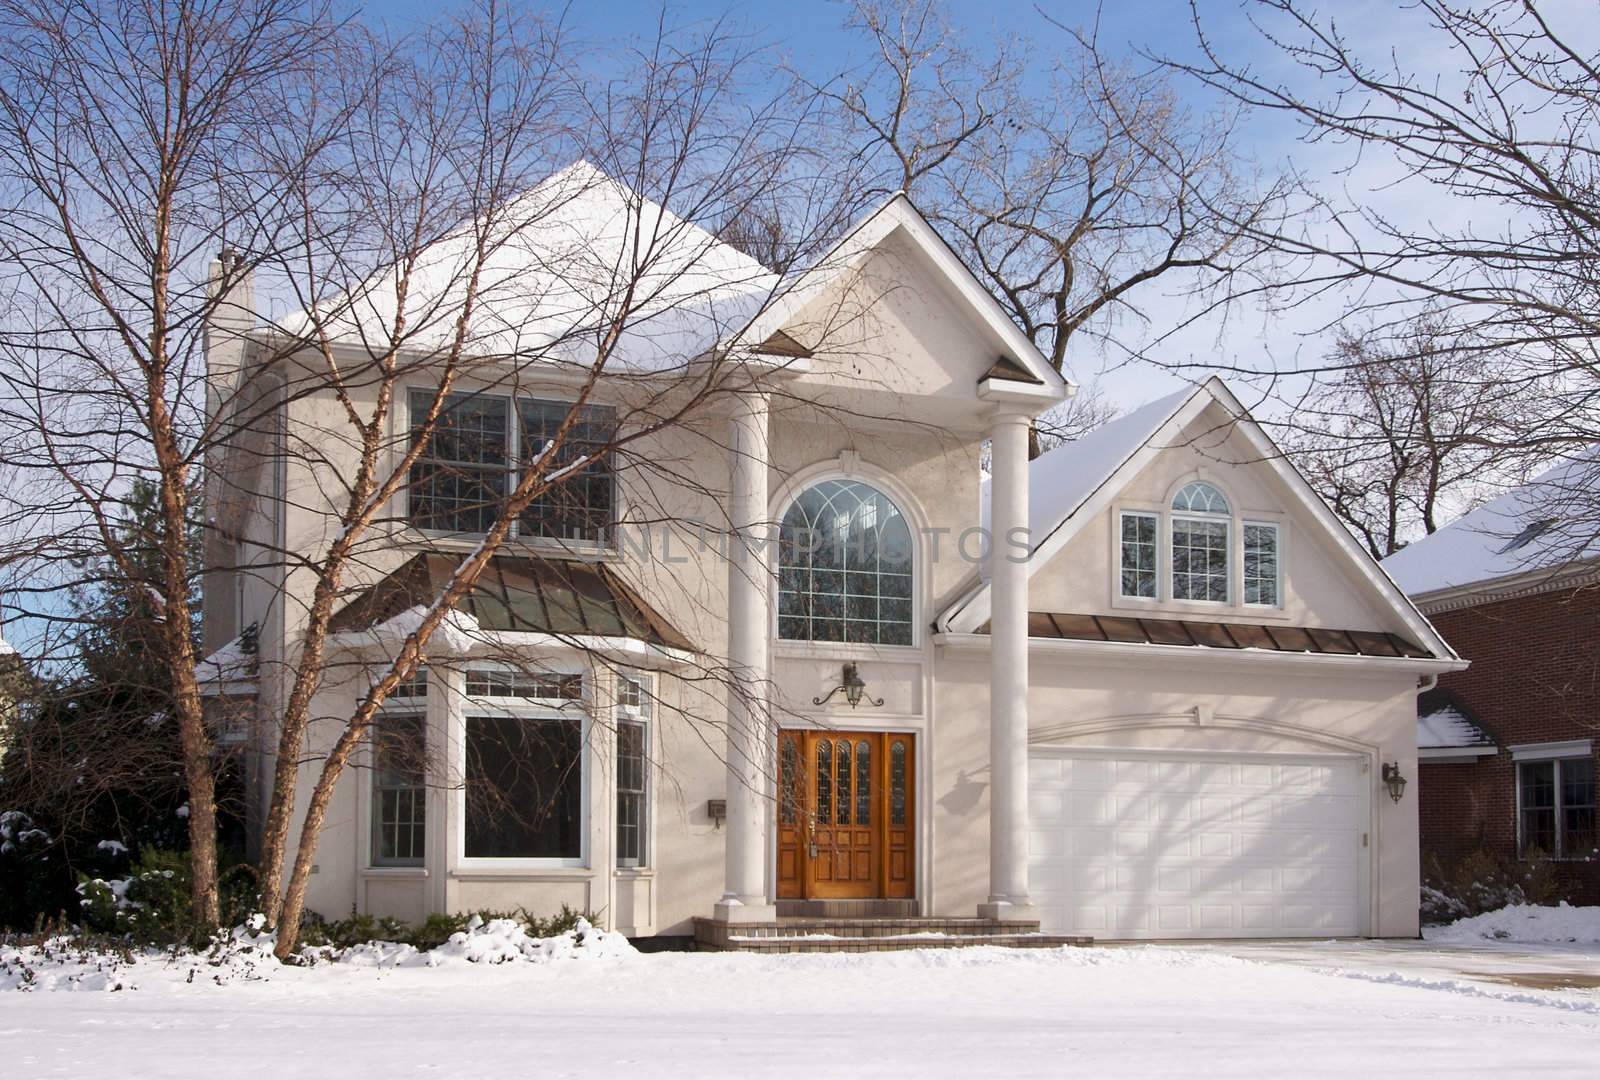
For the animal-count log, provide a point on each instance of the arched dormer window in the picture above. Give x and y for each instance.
(845, 568)
(1200, 543)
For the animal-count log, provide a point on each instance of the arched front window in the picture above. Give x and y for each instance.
(1200, 497)
(844, 567)
(1200, 543)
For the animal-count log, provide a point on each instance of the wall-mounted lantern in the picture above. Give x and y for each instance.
(854, 690)
(717, 811)
(1396, 782)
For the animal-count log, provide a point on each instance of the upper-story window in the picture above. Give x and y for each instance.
(477, 452)
(1262, 580)
(1196, 535)
(1200, 540)
(845, 567)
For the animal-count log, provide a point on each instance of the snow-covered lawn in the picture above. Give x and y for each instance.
(1145, 1011)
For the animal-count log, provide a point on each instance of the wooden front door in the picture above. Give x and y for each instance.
(845, 815)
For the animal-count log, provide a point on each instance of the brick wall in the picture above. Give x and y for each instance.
(1535, 677)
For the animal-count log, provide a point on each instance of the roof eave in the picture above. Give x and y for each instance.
(1143, 652)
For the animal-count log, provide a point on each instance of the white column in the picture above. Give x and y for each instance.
(1008, 673)
(749, 750)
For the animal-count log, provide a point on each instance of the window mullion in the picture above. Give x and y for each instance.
(1560, 829)
(513, 455)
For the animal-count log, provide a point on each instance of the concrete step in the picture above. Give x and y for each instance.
(873, 934)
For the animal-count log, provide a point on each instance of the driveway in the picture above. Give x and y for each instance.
(1573, 968)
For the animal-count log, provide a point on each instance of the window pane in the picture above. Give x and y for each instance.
(1138, 555)
(527, 685)
(399, 792)
(579, 507)
(459, 482)
(630, 793)
(789, 781)
(1261, 564)
(1577, 809)
(825, 781)
(1537, 792)
(1199, 559)
(1200, 498)
(843, 799)
(524, 788)
(863, 783)
(845, 567)
(897, 784)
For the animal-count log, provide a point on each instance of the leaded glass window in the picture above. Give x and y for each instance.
(845, 567)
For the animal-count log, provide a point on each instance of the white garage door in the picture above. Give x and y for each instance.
(1127, 845)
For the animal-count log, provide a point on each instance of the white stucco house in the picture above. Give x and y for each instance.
(1165, 709)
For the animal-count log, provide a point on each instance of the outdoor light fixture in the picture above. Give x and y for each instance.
(1392, 777)
(854, 690)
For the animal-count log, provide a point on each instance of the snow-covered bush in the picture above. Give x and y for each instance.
(151, 905)
(432, 932)
(1473, 884)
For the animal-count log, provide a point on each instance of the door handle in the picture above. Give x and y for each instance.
(811, 834)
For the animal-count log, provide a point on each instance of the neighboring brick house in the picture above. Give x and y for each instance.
(1507, 748)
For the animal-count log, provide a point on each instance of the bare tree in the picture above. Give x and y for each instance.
(1069, 201)
(478, 270)
(1399, 435)
(1488, 119)
(130, 147)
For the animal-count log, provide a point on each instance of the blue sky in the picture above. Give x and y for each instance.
(811, 35)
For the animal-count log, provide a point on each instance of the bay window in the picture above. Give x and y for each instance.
(524, 769)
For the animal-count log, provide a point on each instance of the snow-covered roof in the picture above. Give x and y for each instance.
(7, 649)
(1446, 726)
(1070, 484)
(1540, 526)
(230, 668)
(1062, 479)
(560, 259)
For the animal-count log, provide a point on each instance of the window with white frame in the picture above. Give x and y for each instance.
(1556, 808)
(1261, 569)
(524, 789)
(399, 789)
(481, 444)
(633, 779)
(1138, 555)
(845, 564)
(1200, 542)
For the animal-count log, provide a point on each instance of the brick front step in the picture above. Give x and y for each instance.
(873, 935)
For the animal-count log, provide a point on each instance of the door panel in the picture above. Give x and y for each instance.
(1164, 845)
(845, 815)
